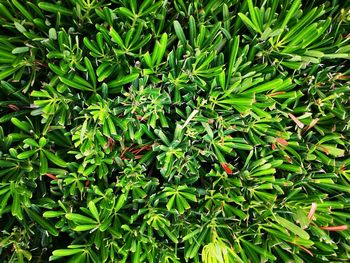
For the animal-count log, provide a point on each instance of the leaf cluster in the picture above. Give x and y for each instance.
(174, 131)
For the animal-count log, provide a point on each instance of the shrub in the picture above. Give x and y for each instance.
(174, 131)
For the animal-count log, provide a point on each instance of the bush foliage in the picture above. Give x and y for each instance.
(174, 131)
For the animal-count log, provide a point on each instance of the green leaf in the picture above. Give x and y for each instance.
(23, 10)
(126, 12)
(42, 222)
(52, 33)
(80, 219)
(170, 203)
(120, 202)
(93, 210)
(292, 227)
(19, 50)
(116, 37)
(331, 149)
(248, 22)
(253, 15)
(26, 154)
(20, 27)
(259, 250)
(91, 71)
(55, 8)
(162, 48)
(84, 227)
(75, 85)
(16, 208)
(193, 32)
(67, 252)
(170, 234)
(13, 91)
(21, 124)
(90, 45)
(296, 4)
(53, 214)
(31, 142)
(121, 81)
(274, 84)
(162, 136)
(4, 73)
(180, 33)
(55, 159)
(43, 163)
(42, 142)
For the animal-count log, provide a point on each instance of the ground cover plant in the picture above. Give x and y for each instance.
(174, 131)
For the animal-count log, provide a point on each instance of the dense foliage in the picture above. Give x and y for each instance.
(174, 131)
